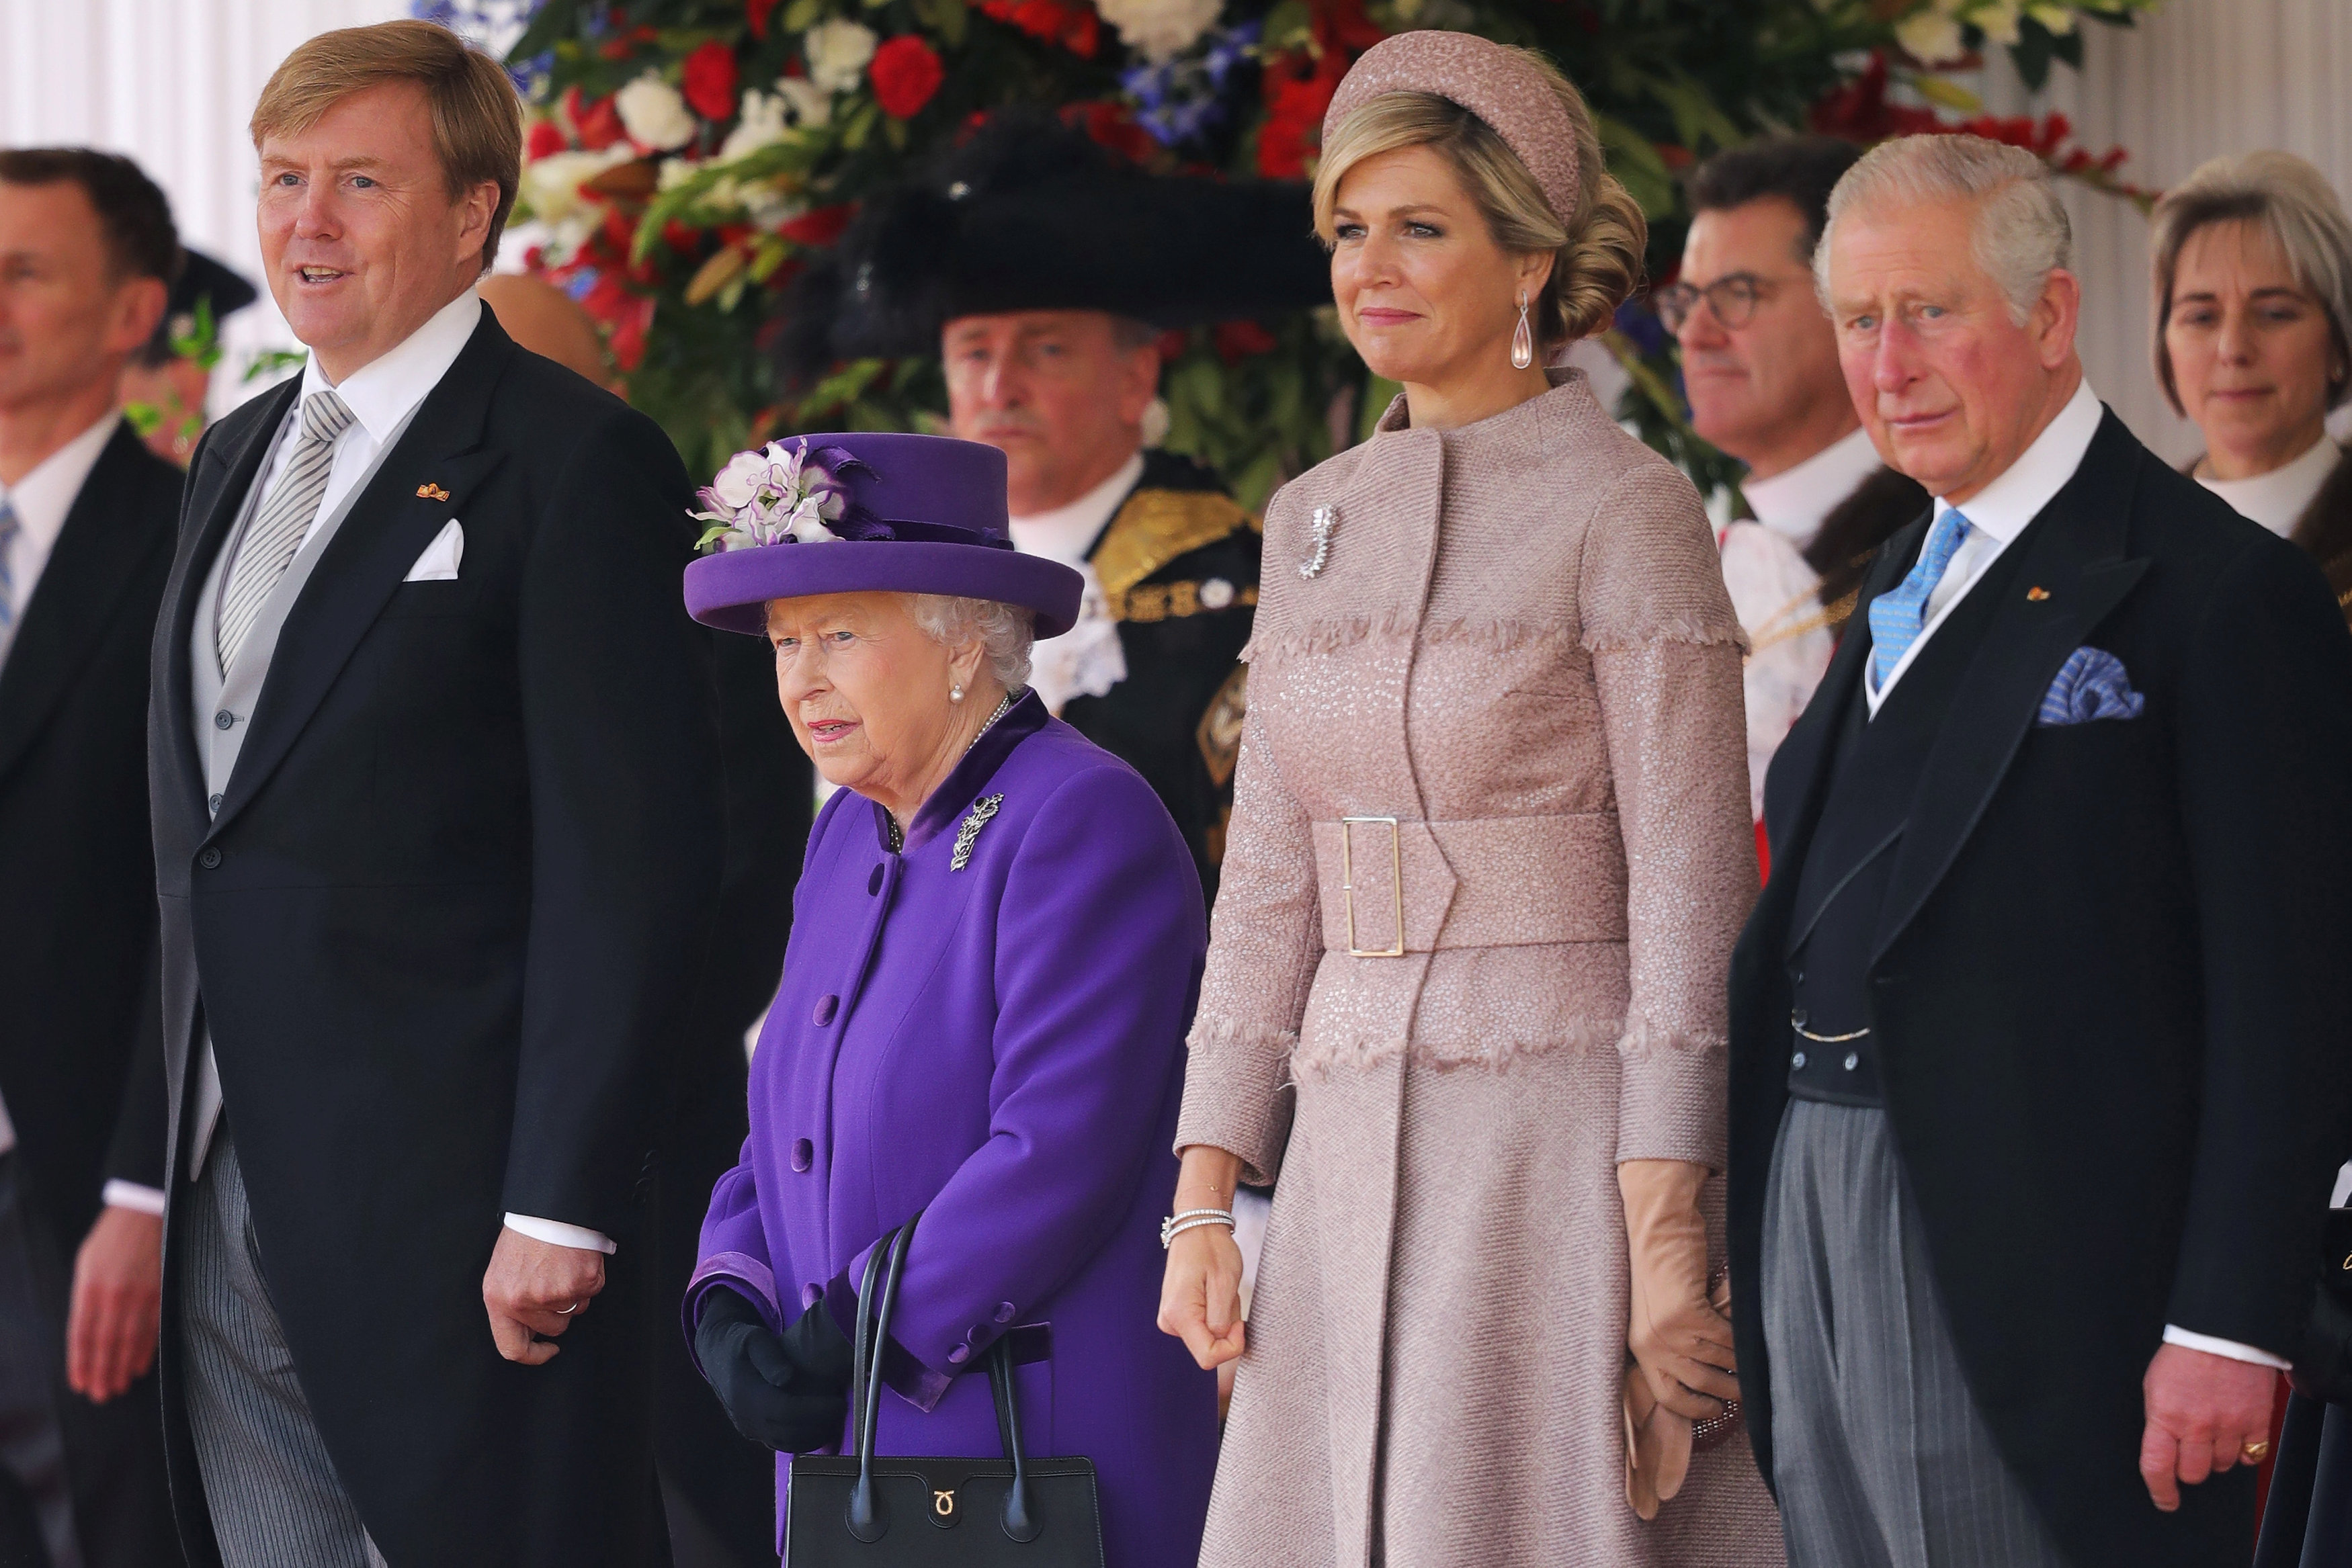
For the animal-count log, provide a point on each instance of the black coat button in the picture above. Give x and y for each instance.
(223, 720)
(216, 802)
(209, 859)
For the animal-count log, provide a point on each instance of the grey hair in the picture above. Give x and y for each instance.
(2284, 198)
(1004, 631)
(2020, 235)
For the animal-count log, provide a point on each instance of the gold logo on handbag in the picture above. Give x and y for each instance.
(943, 1504)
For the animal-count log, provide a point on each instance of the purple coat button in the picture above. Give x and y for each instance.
(960, 1354)
(826, 1006)
(873, 883)
(804, 1154)
(811, 1295)
(1004, 1311)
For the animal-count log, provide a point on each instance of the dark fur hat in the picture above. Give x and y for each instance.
(1029, 214)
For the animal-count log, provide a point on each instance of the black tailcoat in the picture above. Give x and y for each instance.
(1177, 718)
(2107, 984)
(80, 1052)
(442, 930)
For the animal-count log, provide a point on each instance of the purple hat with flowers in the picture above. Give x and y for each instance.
(866, 513)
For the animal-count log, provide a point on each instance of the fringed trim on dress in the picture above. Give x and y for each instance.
(1668, 629)
(1501, 636)
(1640, 1038)
(1318, 1057)
(1215, 1039)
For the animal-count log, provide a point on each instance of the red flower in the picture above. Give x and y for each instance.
(596, 126)
(680, 238)
(709, 82)
(818, 227)
(1172, 344)
(1238, 340)
(905, 73)
(755, 12)
(545, 137)
(1299, 89)
(1076, 28)
(1112, 125)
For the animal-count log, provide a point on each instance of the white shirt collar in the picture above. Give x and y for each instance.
(42, 498)
(2016, 497)
(1066, 533)
(1795, 502)
(385, 390)
(2278, 499)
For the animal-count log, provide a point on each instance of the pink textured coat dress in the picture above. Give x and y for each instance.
(1518, 648)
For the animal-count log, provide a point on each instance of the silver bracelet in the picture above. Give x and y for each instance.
(1175, 1225)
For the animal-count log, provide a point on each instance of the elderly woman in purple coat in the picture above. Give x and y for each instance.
(997, 940)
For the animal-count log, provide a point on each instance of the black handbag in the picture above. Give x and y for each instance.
(856, 1511)
(2323, 1370)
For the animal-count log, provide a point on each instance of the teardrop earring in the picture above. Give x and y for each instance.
(955, 691)
(1523, 341)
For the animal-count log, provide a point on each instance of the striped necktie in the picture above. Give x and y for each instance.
(276, 534)
(9, 529)
(1898, 617)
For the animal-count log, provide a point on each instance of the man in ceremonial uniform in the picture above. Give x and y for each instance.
(87, 522)
(1760, 363)
(1044, 272)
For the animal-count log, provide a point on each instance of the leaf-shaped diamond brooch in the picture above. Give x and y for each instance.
(1323, 521)
(973, 820)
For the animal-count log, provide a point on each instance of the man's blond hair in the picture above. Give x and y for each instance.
(477, 118)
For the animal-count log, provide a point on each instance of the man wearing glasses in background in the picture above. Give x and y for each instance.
(1761, 366)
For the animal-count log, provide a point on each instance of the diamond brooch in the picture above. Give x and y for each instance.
(1323, 522)
(968, 832)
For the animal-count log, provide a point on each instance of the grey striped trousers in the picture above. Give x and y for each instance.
(1879, 1454)
(275, 1498)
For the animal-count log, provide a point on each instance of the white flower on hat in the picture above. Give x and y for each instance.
(655, 114)
(739, 482)
(1161, 29)
(767, 496)
(837, 51)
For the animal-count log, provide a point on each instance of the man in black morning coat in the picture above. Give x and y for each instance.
(2039, 1067)
(87, 250)
(437, 793)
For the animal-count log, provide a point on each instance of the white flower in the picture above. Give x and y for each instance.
(1161, 29)
(551, 185)
(739, 482)
(1998, 20)
(654, 114)
(1930, 38)
(762, 122)
(810, 104)
(2059, 19)
(837, 51)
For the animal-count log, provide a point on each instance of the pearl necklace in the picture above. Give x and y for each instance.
(898, 833)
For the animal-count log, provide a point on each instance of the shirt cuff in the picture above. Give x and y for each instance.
(120, 1194)
(555, 1233)
(2230, 1349)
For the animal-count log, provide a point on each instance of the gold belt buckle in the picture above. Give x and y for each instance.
(1348, 883)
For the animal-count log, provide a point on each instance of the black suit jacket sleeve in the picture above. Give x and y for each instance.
(135, 1150)
(622, 748)
(2265, 755)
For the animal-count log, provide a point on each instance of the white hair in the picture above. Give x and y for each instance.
(1004, 631)
(2020, 234)
(2282, 197)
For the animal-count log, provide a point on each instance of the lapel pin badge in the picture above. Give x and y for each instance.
(430, 492)
(2037, 593)
(1323, 522)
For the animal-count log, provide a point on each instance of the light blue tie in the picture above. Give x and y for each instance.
(1896, 617)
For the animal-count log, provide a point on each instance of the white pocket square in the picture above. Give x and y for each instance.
(439, 561)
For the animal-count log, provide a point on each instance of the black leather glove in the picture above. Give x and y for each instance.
(790, 1391)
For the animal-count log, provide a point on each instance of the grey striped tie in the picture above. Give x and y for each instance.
(276, 534)
(9, 529)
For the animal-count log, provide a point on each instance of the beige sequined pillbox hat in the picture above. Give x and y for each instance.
(1500, 86)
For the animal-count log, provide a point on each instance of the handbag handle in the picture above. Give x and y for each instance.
(884, 1266)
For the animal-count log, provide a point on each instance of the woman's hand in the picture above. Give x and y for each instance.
(1682, 1343)
(788, 1391)
(1200, 1298)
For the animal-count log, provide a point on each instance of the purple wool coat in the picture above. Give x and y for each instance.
(1001, 1048)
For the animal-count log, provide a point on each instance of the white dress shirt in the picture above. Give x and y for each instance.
(41, 500)
(1996, 515)
(1795, 502)
(2278, 499)
(1088, 659)
(384, 396)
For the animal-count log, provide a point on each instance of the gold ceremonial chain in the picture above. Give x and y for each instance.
(1824, 1038)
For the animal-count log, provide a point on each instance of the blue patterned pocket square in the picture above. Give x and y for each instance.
(2091, 684)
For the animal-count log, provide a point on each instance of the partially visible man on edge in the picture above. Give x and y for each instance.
(1760, 368)
(87, 514)
(1044, 275)
(434, 756)
(2037, 1034)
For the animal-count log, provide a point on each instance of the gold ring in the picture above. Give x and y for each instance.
(2255, 1453)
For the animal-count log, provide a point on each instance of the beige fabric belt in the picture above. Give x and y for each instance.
(1514, 882)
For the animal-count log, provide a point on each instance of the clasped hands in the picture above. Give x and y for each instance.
(1681, 1368)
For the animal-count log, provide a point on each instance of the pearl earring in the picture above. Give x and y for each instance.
(1523, 342)
(955, 691)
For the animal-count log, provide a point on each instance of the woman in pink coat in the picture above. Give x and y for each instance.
(1489, 852)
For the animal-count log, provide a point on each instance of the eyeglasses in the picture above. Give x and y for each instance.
(1733, 299)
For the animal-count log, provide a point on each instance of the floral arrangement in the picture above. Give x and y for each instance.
(784, 494)
(686, 157)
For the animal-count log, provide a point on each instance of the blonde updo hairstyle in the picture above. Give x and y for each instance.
(1596, 254)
